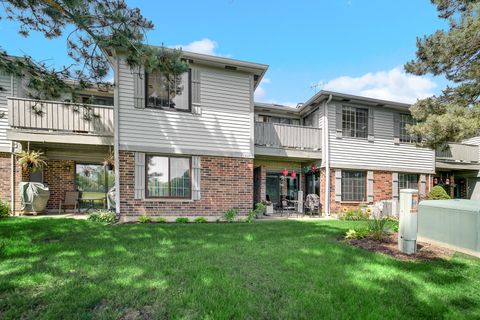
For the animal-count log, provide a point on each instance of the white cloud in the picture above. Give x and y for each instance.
(393, 84)
(205, 46)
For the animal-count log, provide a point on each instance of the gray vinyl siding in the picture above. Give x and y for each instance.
(381, 153)
(223, 127)
(475, 141)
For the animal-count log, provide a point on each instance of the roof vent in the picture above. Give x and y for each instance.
(345, 99)
(230, 68)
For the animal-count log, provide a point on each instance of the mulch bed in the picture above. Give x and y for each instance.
(389, 246)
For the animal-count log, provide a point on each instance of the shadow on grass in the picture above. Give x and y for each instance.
(282, 269)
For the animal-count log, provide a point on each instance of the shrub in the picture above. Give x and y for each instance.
(161, 220)
(182, 220)
(377, 228)
(4, 209)
(438, 193)
(352, 214)
(250, 216)
(230, 215)
(200, 220)
(356, 234)
(144, 219)
(260, 209)
(103, 216)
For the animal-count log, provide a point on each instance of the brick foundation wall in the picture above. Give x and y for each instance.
(382, 185)
(225, 183)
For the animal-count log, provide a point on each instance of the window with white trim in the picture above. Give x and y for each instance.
(171, 92)
(407, 181)
(354, 122)
(406, 119)
(168, 177)
(354, 185)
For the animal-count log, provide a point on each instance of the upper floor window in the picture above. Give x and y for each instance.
(98, 100)
(273, 119)
(168, 177)
(173, 93)
(354, 185)
(404, 135)
(354, 122)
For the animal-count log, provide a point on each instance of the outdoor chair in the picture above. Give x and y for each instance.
(70, 200)
(286, 207)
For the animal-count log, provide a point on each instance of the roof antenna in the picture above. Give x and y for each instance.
(317, 86)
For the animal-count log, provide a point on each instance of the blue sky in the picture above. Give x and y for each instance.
(353, 46)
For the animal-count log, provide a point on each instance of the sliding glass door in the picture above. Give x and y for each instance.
(93, 181)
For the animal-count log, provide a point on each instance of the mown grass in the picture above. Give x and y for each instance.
(56, 268)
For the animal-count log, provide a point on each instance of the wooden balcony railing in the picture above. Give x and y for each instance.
(459, 152)
(60, 116)
(277, 135)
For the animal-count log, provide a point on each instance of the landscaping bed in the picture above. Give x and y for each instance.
(389, 246)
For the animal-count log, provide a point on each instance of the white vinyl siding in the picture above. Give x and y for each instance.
(224, 127)
(380, 154)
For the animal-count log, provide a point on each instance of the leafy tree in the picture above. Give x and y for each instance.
(94, 30)
(454, 53)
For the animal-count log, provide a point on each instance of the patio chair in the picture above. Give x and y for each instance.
(70, 200)
(287, 207)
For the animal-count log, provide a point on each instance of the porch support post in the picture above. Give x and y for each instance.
(116, 137)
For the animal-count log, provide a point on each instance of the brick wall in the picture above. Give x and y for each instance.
(5, 169)
(382, 190)
(59, 176)
(5, 180)
(225, 183)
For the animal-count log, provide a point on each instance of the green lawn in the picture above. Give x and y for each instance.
(55, 268)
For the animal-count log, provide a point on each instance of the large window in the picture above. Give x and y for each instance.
(353, 185)
(168, 177)
(407, 181)
(405, 136)
(354, 122)
(171, 93)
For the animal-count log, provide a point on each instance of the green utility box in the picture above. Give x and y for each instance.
(455, 223)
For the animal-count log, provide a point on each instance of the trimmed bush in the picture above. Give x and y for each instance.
(182, 220)
(103, 216)
(144, 219)
(161, 220)
(200, 220)
(4, 209)
(438, 193)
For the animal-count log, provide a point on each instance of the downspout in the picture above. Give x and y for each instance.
(12, 159)
(116, 136)
(326, 140)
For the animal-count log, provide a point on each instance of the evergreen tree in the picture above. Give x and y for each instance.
(94, 30)
(454, 53)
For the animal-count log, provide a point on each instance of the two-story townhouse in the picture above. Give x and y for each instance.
(74, 137)
(191, 154)
(349, 150)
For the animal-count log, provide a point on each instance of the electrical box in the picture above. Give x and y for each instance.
(407, 231)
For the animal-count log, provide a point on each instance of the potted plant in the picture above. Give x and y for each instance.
(31, 160)
(109, 161)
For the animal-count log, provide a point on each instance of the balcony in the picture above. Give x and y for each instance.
(60, 122)
(458, 152)
(274, 139)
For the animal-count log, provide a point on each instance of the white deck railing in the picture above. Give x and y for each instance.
(60, 116)
(287, 136)
(459, 152)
